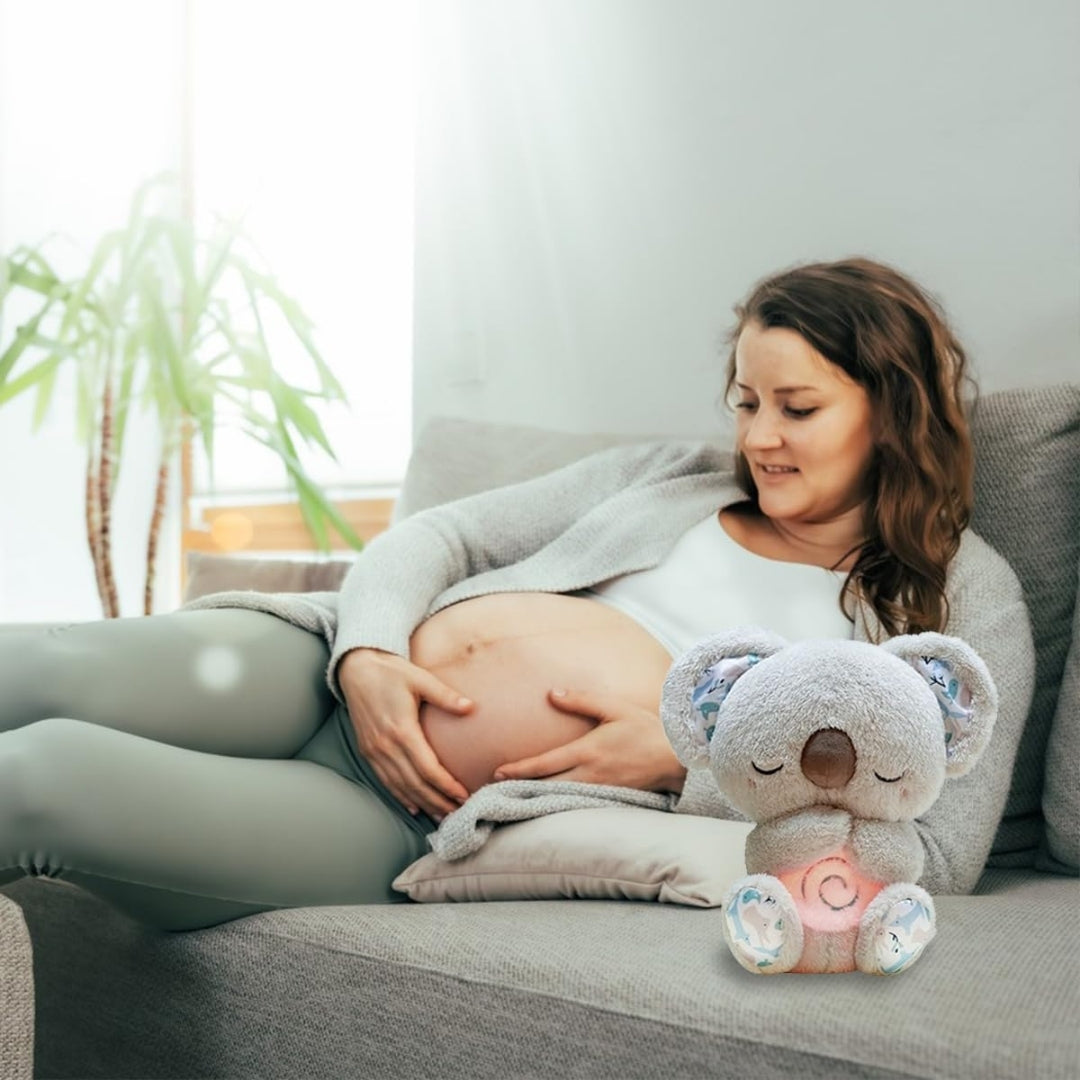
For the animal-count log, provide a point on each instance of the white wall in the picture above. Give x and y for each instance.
(600, 180)
(69, 165)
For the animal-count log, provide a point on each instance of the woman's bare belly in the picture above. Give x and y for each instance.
(505, 651)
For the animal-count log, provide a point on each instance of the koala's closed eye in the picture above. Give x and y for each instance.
(888, 779)
(768, 772)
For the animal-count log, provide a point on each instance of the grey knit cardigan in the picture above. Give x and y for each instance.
(621, 510)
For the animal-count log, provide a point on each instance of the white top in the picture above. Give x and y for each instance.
(709, 582)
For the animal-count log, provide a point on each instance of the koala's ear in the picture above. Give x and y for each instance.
(700, 680)
(964, 690)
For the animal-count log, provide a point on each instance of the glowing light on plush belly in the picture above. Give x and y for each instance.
(831, 894)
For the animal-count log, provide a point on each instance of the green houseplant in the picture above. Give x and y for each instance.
(167, 318)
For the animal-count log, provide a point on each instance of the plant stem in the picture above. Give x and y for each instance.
(156, 519)
(93, 524)
(105, 471)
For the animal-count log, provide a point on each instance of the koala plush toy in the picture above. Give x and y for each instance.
(832, 748)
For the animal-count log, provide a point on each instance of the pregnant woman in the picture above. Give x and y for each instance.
(258, 751)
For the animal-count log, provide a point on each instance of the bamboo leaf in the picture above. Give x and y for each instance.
(182, 245)
(29, 378)
(163, 346)
(124, 400)
(310, 494)
(298, 321)
(164, 178)
(313, 518)
(24, 338)
(263, 352)
(218, 260)
(86, 399)
(42, 281)
(137, 217)
(293, 408)
(76, 300)
(139, 260)
(44, 395)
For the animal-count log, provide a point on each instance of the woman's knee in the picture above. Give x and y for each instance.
(34, 797)
(234, 682)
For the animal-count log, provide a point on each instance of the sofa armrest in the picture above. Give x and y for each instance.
(16, 994)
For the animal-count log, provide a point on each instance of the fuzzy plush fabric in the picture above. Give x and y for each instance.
(833, 748)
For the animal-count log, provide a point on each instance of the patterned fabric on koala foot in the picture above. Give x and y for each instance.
(761, 925)
(897, 926)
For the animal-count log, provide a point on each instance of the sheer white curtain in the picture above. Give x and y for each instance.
(302, 120)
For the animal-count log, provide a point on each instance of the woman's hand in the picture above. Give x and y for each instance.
(383, 692)
(627, 748)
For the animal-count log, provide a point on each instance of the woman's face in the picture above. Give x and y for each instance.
(803, 425)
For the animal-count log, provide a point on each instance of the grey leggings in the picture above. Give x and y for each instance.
(190, 768)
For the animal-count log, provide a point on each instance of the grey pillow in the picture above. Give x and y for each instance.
(217, 573)
(1027, 506)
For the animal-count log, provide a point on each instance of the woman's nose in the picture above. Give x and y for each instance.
(762, 432)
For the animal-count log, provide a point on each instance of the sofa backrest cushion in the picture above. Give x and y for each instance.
(1061, 790)
(1027, 506)
(452, 458)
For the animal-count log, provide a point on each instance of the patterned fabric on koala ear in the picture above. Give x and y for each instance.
(712, 688)
(953, 698)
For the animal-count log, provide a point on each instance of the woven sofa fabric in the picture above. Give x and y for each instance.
(545, 989)
(453, 458)
(1027, 506)
(1061, 791)
(16, 994)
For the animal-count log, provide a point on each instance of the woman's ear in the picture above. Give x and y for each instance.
(964, 690)
(699, 682)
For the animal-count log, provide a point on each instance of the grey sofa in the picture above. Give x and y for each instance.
(591, 988)
(16, 995)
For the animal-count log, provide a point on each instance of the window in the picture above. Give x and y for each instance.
(301, 119)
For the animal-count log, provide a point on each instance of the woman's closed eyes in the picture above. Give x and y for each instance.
(797, 414)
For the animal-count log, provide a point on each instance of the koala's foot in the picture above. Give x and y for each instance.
(894, 930)
(762, 926)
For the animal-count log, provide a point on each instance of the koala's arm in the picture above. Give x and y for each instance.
(987, 610)
(887, 850)
(795, 839)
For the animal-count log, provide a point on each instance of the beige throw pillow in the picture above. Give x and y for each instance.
(621, 853)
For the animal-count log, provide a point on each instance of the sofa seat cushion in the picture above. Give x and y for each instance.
(545, 989)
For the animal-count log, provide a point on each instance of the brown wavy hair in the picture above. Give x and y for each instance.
(892, 338)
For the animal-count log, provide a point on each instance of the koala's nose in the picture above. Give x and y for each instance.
(828, 758)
